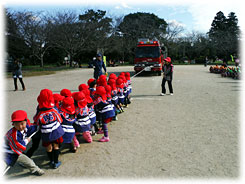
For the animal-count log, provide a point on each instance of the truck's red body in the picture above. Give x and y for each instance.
(148, 53)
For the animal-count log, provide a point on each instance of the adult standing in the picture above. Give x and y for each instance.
(17, 73)
(167, 76)
(98, 64)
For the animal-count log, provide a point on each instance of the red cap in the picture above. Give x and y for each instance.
(86, 92)
(103, 77)
(57, 98)
(127, 75)
(122, 77)
(113, 76)
(102, 80)
(68, 105)
(100, 90)
(112, 83)
(46, 99)
(80, 98)
(87, 95)
(90, 81)
(119, 83)
(167, 59)
(108, 88)
(82, 87)
(19, 115)
(73, 94)
(65, 92)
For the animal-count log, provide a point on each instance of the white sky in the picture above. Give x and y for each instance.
(194, 14)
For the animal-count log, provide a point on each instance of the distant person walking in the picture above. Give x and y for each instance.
(98, 64)
(167, 76)
(17, 73)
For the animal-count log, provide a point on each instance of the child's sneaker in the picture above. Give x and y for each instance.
(76, 142)
(171, 94)
(100, 132)
(73, 148)
(115, 118)
(87, 136)
(162, 94)
(56, 165)
(38, 172)
(104, 139)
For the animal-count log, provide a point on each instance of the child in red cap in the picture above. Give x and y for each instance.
(102, 80)
(92, 87)
(49, 120)
(82, 125)
(105, 109)
(119, 85)
(114, 97)
(125, 88)
(92, 114)
(129, 86)
(167, 76)
(67, 112)
(16, 140)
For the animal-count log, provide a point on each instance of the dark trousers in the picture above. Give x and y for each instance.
(35, 144)
(97, 74)
(169, 86)
(21, 81)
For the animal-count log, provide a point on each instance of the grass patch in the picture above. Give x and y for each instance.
(29, 71)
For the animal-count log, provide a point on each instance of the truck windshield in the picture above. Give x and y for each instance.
(147, 52)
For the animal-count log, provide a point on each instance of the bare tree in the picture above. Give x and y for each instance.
(173, 31)
(32, 29)
(65, 33)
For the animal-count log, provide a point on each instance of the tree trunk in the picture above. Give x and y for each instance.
(71, 58)
(41, 64)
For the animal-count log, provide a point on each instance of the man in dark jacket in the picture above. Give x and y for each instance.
(167, 76)
(98, 64)
(17, 73)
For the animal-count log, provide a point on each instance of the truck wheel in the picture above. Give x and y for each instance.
(159, 73)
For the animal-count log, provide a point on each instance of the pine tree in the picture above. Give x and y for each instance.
(224, 35)
(233, 33)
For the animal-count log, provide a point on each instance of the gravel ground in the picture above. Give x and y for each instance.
(194, 134)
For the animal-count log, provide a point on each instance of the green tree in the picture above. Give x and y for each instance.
(233, 33)
(224, 35)
(98, 28)
(140, 25)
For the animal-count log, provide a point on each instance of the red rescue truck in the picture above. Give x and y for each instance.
(149, 56)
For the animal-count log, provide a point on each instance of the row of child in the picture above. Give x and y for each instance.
(226, 71)
(61, 117)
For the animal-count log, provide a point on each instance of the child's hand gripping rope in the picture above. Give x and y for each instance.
(29, 138)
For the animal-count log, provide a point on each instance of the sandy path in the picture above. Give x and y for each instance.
(193, 134)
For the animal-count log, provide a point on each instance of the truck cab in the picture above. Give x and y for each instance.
(148, 56)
